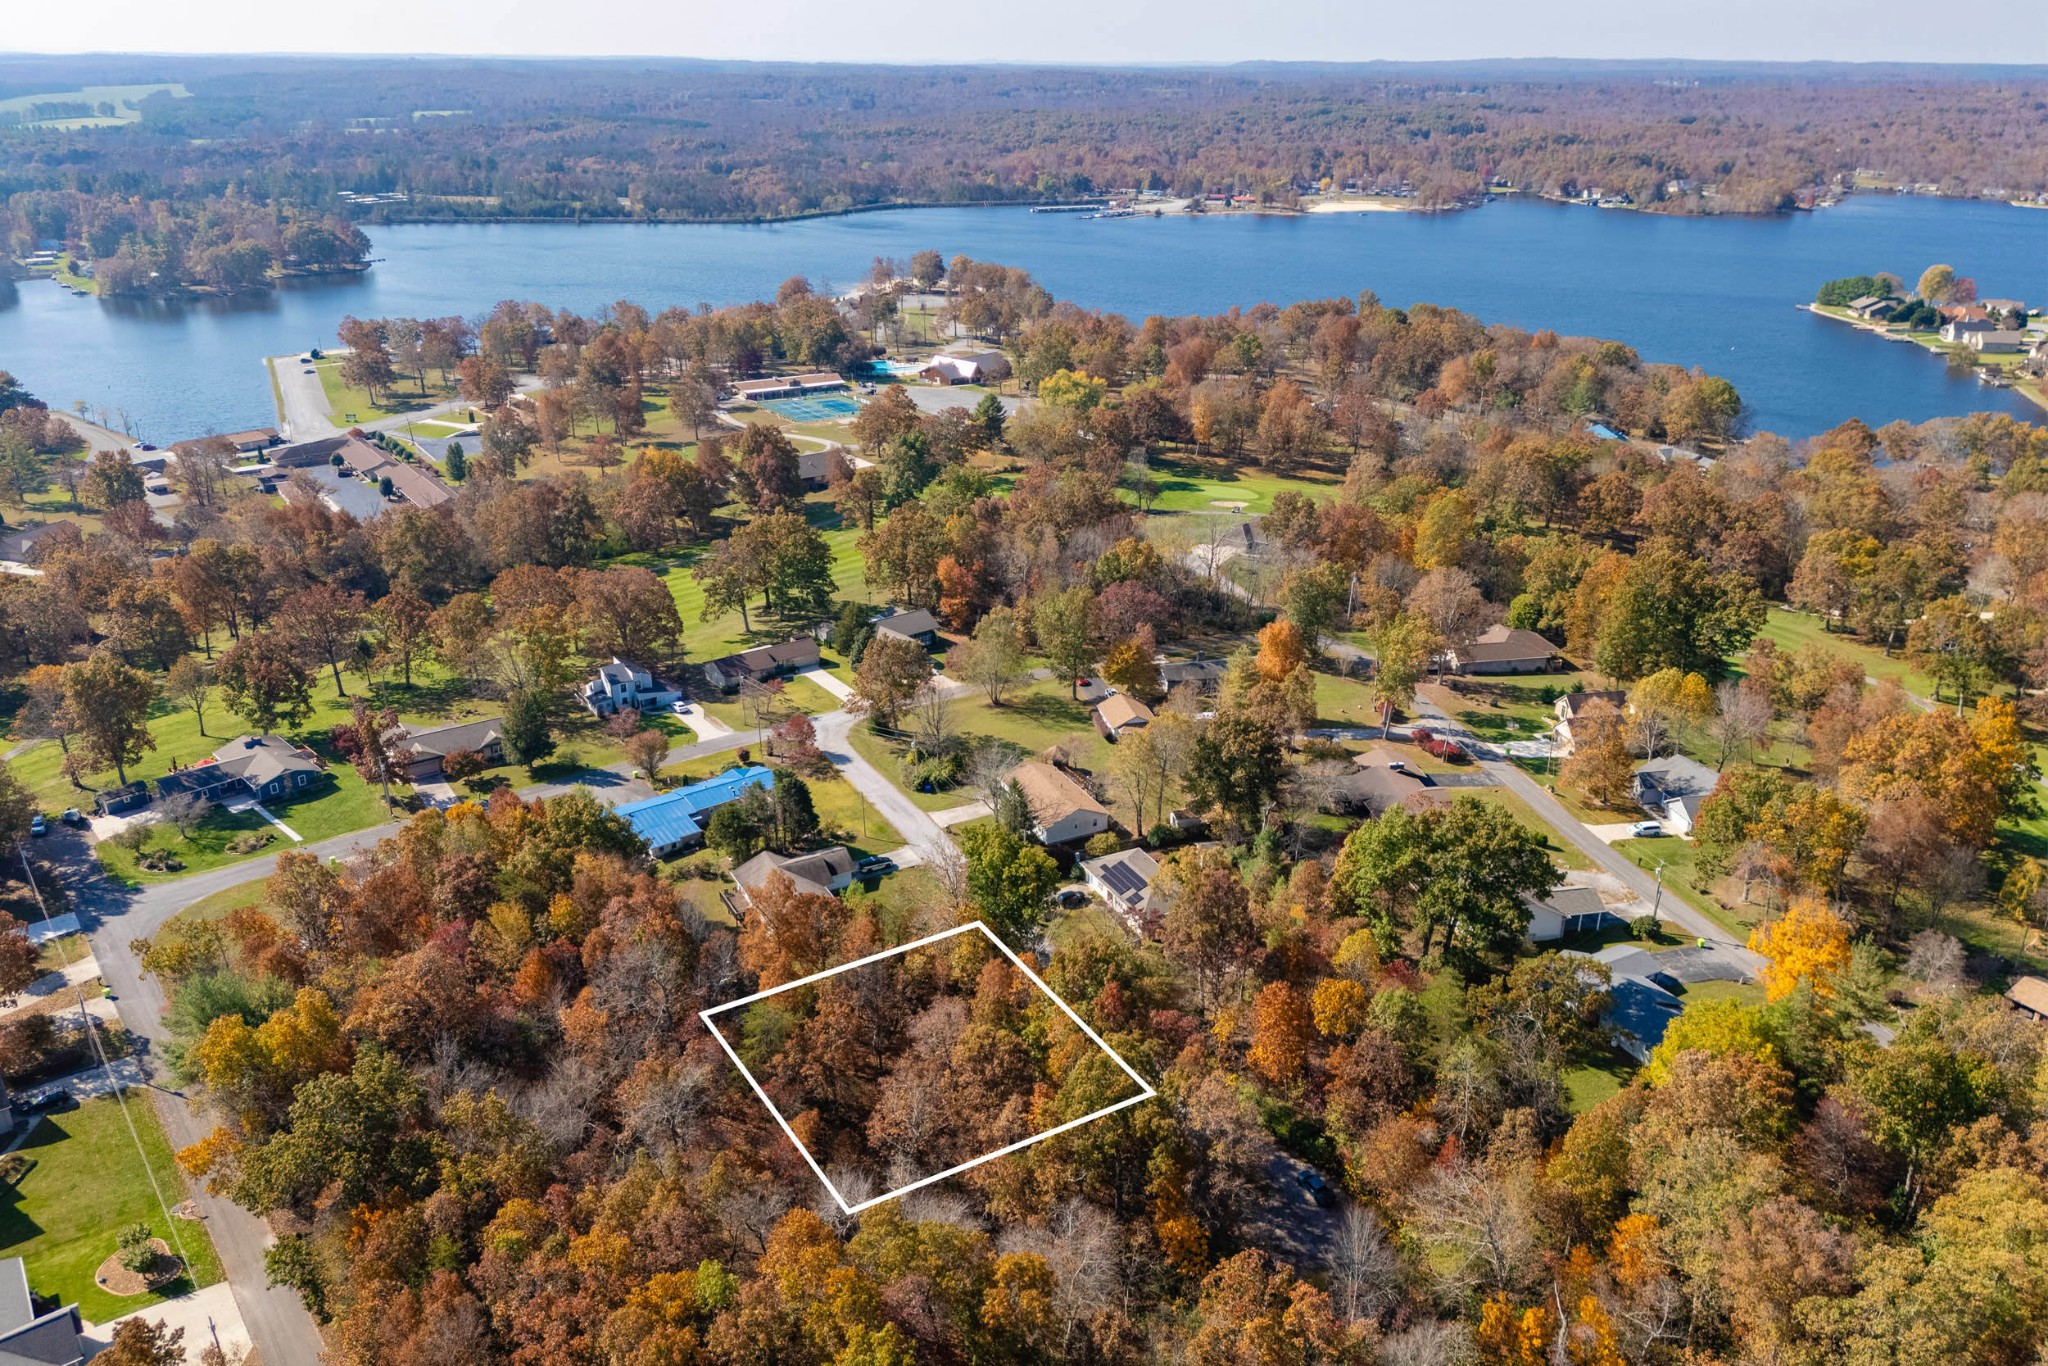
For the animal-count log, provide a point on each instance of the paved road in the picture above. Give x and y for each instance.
(304, 417)
(305, 403)
(920, 832)
(276, 1318)
(1508, 775)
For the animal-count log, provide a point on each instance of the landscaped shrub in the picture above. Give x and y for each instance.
(137, 1248)
(249, 841)
(935, 774)
(1104, 843)
(463, 763)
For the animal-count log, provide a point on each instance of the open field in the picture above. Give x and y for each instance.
(348, 804)
(1792, 630)
(1191, 483)
(347, 405)
(87, 1183)
(103, 106)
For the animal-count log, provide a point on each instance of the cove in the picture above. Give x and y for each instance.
(1717, 293)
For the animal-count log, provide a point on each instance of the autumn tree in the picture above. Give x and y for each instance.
(1283, 1031)
(892, 671)
(264, 682)
(326, 623)
(382, 747)
(190, 684)
(1208, 924)
(106, 708)
(1808, 944)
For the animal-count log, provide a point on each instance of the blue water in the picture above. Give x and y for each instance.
(1717, 293)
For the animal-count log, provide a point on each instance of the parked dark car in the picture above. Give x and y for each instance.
(874, 865)
(1317, 1188)
(1071, 898)
(56, 1100)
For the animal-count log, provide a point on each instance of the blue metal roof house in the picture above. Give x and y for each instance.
(673, 821)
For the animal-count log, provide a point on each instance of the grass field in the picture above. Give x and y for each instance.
(1191, 483)
(347, 405)
(88, 1181)
(799, 693)
(1562, 852)
(349, 804)
(1791, 630)
(1590, 1083)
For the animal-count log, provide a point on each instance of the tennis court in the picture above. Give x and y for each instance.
(814, 407)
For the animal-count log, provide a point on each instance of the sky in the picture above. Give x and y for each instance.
(1075, 31)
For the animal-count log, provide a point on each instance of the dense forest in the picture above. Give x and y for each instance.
(679, 140)
(464, 1075)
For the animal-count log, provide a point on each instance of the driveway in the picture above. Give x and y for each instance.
(207, 1316)
(1287, 1221)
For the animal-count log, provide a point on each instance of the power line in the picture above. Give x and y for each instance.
(114, 1083)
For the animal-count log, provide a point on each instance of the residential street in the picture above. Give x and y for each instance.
(276, 1318)
(1643, 884)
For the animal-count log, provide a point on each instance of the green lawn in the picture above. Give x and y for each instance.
(1343, 702)
(800, 693)
(1590, 1083)
(1518, 708)
(435, 697)
(348, 804)
(1791, 630)
(1190, 483)
(728, 633)
(347, 405)
(1562, 852)
(1682, 877)
(220, 903)
(87, 1182)
(1742, 993)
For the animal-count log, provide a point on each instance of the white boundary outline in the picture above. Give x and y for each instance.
(1145, 1091)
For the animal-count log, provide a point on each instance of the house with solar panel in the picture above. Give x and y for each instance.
(255, 768)
(1124, 881)
(675, 821)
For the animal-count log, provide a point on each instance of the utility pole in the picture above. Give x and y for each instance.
(1658, 904)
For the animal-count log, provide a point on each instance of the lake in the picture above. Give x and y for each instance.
(1717, 293)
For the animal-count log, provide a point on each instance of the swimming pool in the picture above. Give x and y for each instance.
(814, 407)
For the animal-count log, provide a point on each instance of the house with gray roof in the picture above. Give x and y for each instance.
(429, 745)
(823, 872)
(1672, 789)
(31, 1339)
(254, 768)
(918, 625)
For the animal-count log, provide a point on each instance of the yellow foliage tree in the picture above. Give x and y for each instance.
(1508, 1338)
(1072, 389)
(1445, 532)
(1280, 651)
(1809, 943)
(1281, 1033)
(1339, 1006)
(1720, 1027)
